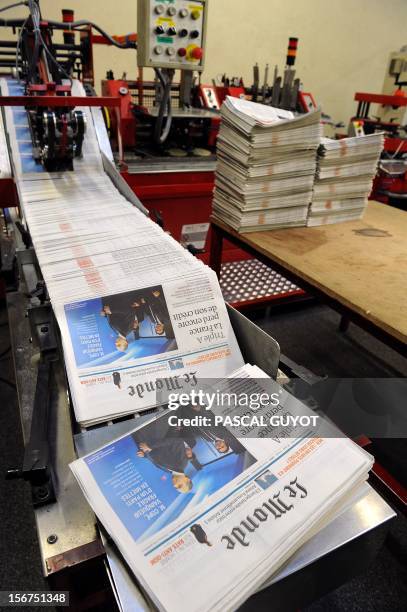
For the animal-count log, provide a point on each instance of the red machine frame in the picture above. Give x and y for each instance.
(384, 184)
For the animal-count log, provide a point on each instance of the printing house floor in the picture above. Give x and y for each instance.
(309, 336)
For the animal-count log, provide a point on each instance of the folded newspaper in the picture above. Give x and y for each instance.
(345, 172)
(132, 304)
(118, 347)
(189, 493)
(266, 165)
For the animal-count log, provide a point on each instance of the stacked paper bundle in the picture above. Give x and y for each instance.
(345, 171)
(138, 314)
(233, 520)
(266, 165)
(133, 306)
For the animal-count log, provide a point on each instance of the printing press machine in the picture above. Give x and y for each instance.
(76, 553)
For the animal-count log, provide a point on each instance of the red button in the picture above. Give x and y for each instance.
(182, 52)
(197, 53)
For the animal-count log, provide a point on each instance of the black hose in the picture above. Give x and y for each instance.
(35, 18)
(83, 22)
(10, 6)
(55, 61)
(67, 26)
(160, 134)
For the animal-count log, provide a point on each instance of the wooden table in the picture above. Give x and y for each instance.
(357, 267)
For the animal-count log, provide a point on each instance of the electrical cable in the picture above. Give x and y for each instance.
(160, 133)
(39, 40)
(20, 38)
(83, 22)
(36, 19)
(10, 6)
(54, 61)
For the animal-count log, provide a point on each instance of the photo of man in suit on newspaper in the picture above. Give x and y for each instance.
(217, 435)
(120, 316)
(169, 451)
(184, 452)
(121, 327)
(157, 472)
(126, 312)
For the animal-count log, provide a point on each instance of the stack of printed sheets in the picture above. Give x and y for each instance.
(133, 306)
(266, 166)
(228, 505)
(345, 171)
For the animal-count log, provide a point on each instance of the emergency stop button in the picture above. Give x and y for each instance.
(197, 53)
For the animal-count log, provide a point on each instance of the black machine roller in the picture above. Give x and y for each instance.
(57, 136)
(47, 69)
(57, 131)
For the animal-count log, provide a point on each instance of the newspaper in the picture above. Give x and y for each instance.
(119, 347)
(344, 176)
(133, 306)
(266, 163)
(215, 504)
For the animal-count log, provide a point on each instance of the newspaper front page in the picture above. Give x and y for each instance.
(204, 515)
(122, 348)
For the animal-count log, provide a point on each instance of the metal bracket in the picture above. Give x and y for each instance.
(37, 469)
(193, 250)
(25, 234)
(28, 268)
(8, 263)
(293, 369)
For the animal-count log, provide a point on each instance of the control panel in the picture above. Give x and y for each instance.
(172, 33)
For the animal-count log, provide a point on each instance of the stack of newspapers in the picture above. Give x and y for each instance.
(345, 171)
(208, 498)
(266, 166)
(203, 512)
(136, 310)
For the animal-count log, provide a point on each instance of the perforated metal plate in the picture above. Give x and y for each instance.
(251, 281)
